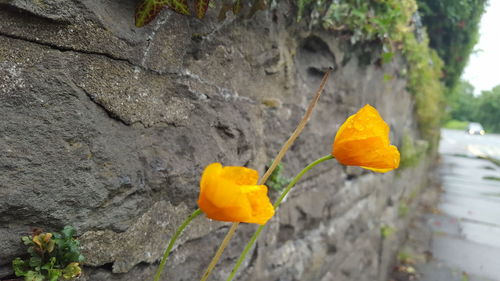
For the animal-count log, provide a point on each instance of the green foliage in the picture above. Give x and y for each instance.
(424, 70)
(464, 106)
(411, 151)
(453, 27)
(367, 20)
(276, 181)
(456, 125)
(147, 10)
(405, 257)
(52, 256)
(488, 110)
(461, 102)
(301, 5)
(386, 231)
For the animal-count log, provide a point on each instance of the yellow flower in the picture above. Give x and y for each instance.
(232, 194)
(363, 140)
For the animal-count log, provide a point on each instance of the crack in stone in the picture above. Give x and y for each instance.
(92, 99)
(70, 49)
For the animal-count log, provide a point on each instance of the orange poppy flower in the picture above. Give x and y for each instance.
(232, 194)
(363, 140)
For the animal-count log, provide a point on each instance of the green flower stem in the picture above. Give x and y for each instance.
(193, 215)
(276, 205)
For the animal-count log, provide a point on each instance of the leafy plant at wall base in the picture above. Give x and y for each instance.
(53, 256)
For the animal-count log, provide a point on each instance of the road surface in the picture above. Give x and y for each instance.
(465, 242)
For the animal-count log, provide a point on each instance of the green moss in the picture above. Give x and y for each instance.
(405, 257)
(424, 70)
(411, 151)
(386, 231)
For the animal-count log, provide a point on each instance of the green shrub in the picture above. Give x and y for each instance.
(456, 125)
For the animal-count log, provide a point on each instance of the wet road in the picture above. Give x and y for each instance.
(466, 231)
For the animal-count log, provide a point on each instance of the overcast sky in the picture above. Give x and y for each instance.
(483, 70)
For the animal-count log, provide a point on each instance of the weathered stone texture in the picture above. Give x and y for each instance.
(108, 127)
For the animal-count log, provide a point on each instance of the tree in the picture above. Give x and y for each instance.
(453, 28)
(462, 103)
(488, 109)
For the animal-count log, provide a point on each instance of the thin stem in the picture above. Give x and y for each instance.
(219, 252)
(178, 232)
(273, 166)
(298, 130)
(276, 205)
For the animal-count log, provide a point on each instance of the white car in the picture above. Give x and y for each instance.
(475, 129)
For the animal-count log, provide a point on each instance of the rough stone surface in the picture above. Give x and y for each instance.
(107, 127)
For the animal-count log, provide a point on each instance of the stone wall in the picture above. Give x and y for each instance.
(107, 127)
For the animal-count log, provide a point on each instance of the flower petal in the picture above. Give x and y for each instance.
(262, 209)
(363, 140)
(240, 175)
(231, 194)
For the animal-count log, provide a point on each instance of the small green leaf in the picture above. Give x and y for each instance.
(276, 181)
(33, 276)
(35, 262)
(68, 231)
(237, 7)
(71, 271)
(50, 264)
(19, 267)
(27, 240)
(388, 77)
(147, 11)
(54, 274)
(179, 6)
(387, 57)
(50, 246)
(201, 8)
